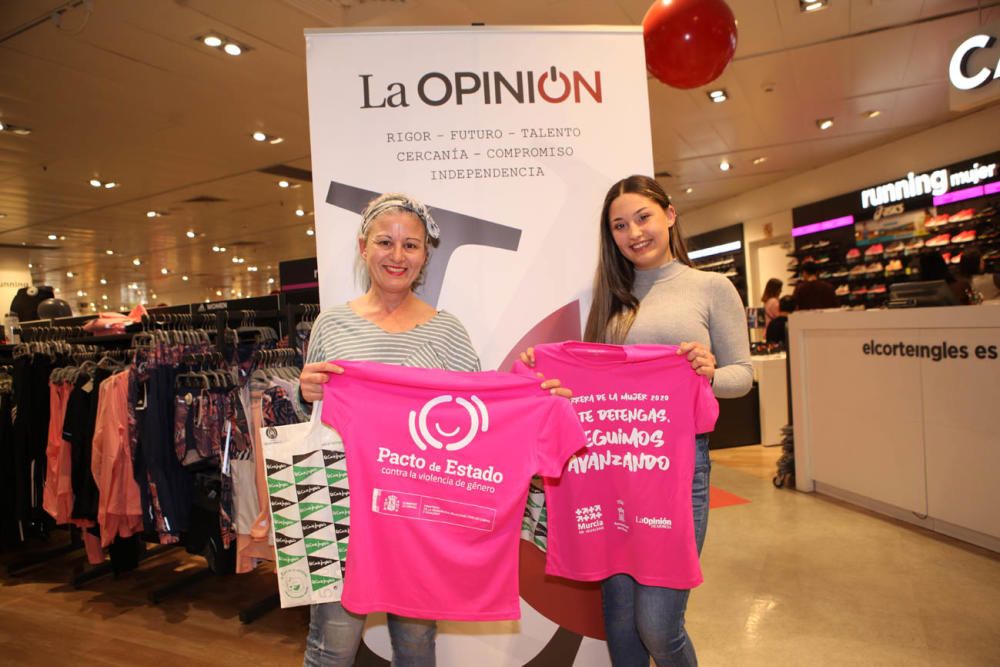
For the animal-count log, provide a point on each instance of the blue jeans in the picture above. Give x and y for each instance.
(643, 621)
(335, 634)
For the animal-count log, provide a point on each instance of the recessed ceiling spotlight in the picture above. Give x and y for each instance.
(69, 274)
(104, 281)
(222, 249)
(760, 160)
(874, 113)
(824, 123)
(252, 269)
(190, 234)
(153, 295)
(259, 136)
(718, 96)
(724, 165)
(223, 43)
(208, 300)
(812, 5)
(233, 49)
(215, 248)
(137, 261)
(62, 238)
(212, 41)
(270, 281)
(283, 184)
(133, 285)
(95, 183)
(164, 270)
(218, 292)
(275, 140)
(688, 191)
(310, 232)
(53, 237)
(184, 278)
(299, 212)
(109, 252)
(30, 266)
(104, 297)
(93, 306)
(111, 184)
(152, 214)
(80, 292)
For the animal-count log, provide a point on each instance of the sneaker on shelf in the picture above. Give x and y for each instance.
(946, 256)
(843, 290)
(823, 260)
(913, 246)
(963, 215)
(874, 267)
(939, 240)
(853, 255)
(874, 250)
(821, 244)
(857, 270)
(957, 259)
(894, 265)
(964, 237)
(840, 274)
(937, 221)
(859, 291)
(877, 289)
(894, 248)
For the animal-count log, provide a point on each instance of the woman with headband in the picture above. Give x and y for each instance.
(387, 324)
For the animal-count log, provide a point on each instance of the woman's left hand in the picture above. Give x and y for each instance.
(701, 358)
(555, 387)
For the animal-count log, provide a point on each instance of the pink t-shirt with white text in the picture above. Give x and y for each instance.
(623, 505)
(439, 463)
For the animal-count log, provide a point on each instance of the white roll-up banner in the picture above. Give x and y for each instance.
(512, 137)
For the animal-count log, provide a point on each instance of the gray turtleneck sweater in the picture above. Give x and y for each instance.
(680, 304)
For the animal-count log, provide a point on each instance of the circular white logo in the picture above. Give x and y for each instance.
(479, 421)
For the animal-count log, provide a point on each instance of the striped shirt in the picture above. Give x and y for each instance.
(441, 342)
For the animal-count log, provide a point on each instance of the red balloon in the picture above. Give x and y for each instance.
(689, 42)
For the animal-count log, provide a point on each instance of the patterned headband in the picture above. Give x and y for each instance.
(403, 202)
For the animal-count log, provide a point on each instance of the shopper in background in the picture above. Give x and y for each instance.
(934, 267)
(646, 291)
(812, 292)
(776, 329)
(772, 290)
(388, 324)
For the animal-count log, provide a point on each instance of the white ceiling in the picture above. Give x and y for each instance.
(123, 91)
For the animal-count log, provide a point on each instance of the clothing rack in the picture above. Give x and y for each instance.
(216, 319)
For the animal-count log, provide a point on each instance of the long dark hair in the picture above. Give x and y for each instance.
(614, 308)
(772, 289)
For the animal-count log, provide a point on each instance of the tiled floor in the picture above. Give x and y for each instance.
(790, 579)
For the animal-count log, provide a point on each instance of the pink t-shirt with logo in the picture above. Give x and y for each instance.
(623, 505)
(439, 463)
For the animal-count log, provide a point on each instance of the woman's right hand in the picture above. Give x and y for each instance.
(528, 357)
(313, 377)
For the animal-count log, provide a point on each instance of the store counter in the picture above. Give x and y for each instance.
(769, 372)
(899, 411)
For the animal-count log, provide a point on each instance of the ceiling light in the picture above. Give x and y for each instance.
(133, 285)
(95, 183)
(232, 49)
(252, 269)
(299, 212)
(93, 305)
(270, 281)
(151, 214)
(164, 270)
(212, 41)
(218, 292)
(2, 216)
(222, 249)
(724, 165)
(137, 261)
(275, 140)
(283, 184)
(104, 297)
(190, 234)
(824, 123)
(110, 184)
(208, 300)
(874, 113)
(259, 136)
(2, 126)
(688, 191)
(184, 278)
(104, 281)
(153, 295)
(109, 252)
(760, 160)
(310, 232)
(236, 260)
(215, 248)
(80, 292)
(69, 274)
(812, 5)
(52, 237)
(30, 266)
(62, 238)
(718, 96)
